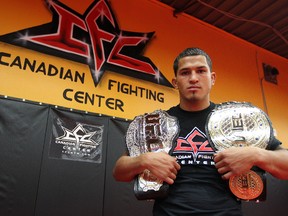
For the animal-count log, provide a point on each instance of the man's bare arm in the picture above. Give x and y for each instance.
(160, 164)
(234, 161)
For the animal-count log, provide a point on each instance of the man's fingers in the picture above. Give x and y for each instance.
(223, 170)
(217, 157)
(177, 166)
(227, 175)
(169, 180)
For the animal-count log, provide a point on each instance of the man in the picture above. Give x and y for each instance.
(199, 186)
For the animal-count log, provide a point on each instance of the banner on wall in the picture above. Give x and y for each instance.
(73, 140)
(65, 62)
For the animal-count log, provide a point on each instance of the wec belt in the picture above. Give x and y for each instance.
(151, 132)
(239, 124)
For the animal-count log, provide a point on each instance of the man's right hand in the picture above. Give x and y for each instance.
(161, 165)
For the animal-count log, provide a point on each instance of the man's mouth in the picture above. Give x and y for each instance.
(193, 88)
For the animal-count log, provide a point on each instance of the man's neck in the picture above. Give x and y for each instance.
(194, 106)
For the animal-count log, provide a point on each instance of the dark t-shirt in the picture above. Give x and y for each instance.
(198, 188)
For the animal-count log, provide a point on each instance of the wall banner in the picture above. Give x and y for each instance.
(73, 140)
(65, 62)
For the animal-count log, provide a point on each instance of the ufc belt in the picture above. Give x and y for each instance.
(151, 132)
(240, 124)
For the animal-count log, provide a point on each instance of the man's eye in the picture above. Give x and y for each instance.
(184, 73)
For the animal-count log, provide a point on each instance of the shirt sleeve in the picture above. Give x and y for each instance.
(274, 143)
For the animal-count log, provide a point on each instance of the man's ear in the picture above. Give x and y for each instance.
(213, 77)
(174, 83)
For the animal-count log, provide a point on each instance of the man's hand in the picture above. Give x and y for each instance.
(235, 160)
(161, 165)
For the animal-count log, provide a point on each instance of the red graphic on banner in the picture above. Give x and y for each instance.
(93, 38)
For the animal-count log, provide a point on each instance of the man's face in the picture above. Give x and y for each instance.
(194, 79)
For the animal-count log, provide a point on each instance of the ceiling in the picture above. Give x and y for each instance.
(261, 22)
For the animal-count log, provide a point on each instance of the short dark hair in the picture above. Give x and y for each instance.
(191, 52)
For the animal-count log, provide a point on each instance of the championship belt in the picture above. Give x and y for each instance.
(151, 132)
(240, 124)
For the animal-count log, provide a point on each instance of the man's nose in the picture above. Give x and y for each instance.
(193, 77)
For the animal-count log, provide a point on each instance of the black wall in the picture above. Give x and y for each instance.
(32, 182)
